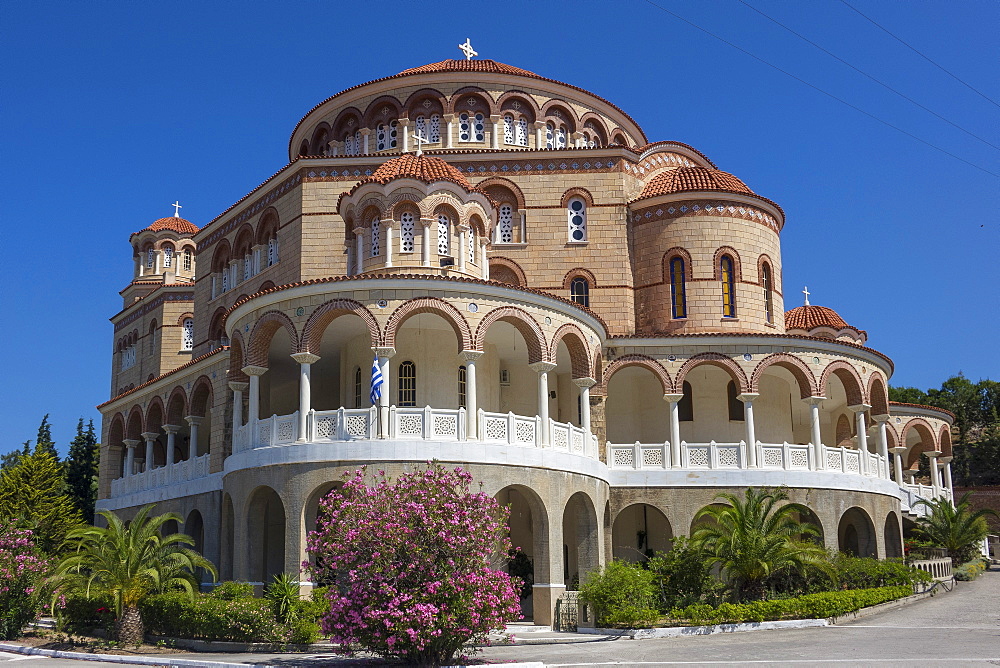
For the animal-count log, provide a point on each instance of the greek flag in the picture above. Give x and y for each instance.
(376, 392)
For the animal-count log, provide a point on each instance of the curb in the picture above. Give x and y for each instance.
(125, 659)
(881, 607)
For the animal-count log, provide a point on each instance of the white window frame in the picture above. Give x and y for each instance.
(573, 226)
(187, 335)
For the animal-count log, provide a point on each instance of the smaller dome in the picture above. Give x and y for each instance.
(487, 66)
(424, 168)
(685, 179)
(173, 224)
(810, 318)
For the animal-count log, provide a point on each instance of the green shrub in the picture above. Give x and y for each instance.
(282, 594)
(682, 576)
(622, 595)
(213, 618)
(868, 573)
(970, 571)
(81, 615)
(230, 591)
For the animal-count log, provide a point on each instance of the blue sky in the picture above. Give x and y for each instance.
(111, 111)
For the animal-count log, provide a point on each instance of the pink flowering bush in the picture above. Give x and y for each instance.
(22, 572)
(416, 565)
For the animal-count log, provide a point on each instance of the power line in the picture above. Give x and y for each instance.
(820, 90)
(914, 50)
(869, 76)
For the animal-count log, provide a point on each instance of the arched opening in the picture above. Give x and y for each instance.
(639, 531)
(176, 410)
(194, 526)
(635, 409)
(425, 367)
(837, 422)
(344, 346)
(201, 412)
(169, 528)
(893, 536)
(572, 361)
(780, 415)
(511, 344)
(116, 449)
(279, 387)
(856, 533)
(227, 538)
(581, 547)
(807, 516)
(710, 407)
(154, 425)
(265, 533)
(528, 525)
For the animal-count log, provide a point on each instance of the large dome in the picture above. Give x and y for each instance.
(490, 66)
(694, 179)
(424, 168)
(173, 224)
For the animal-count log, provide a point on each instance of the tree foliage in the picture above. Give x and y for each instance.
(82, 469)
(957, 528)
(34, 494)
(417, 564)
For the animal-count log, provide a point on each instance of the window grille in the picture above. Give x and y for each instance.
(560, 137)
(407, 384)
(225, 279)
(508, 129)
(385, 135)
(577, 217)
(768, 300)
(247, 268)
(472, 245)
(443, 234)
(187, 259)
(678, 296)
(728, 287)
(471, 128)
(187, 334)
(406, 233)
(272, 252)
(462, 387)
(376, 247)
(505, 227)
(521, 132)
(150, 258)
(550, 132)
(168, 257)
(579, 291)
(434, 128)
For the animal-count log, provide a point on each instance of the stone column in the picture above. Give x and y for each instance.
(336, 147)
(387, 227)
(484, 261)
(577, 138)
(305, 361)
(194, 421)
(495, 121)
(359, 250)
(253, 409)
(384, 354)
(150, 437)
(539, 136)
(425, 241)
(463, 251)
(817, 440)
(946, 469)
(862, 429)
(897, 463)
(542, 369)
(171, 430)
(935, 473)
(883, 439)
(364, 139)
(238, 390)
(130, 444)
(449, 123)
(747, 399)
(585, 384)
(675, 429)
(403, 128)
(471, 393)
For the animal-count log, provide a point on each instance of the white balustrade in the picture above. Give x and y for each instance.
(189, 469)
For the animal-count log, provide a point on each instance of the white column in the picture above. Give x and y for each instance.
(384, 354)
(495, 121)
(862, 429)
(449, 122)
(675, 429)
(253, 408)
(585, 384)
(935, 472)
(130, 444)
(359, 250)
(150, 437)
(387, 226)
(471, 394)
(883, 439)
(171, 430)
(425, 242)
(817, 440)
(403, 128)
(542, 369)
(897, 464)
(364, 139)
(305, 361)
(539, 136)
(238, 390)
(484, 261)
(946, 469)
(747, 399)
(194, 421)
(463, 250)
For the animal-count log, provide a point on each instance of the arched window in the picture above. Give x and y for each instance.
(352, 143)
(462, 388)
(272, 251)
(505, 224)
(376, 247)
(168, 256)
(407, 384)
(444, 234)
(728, 287)
(152, 338)
(187, 334)
(472, 244)
(579, 291)
(576, 215)
(150, 257)
(555, 136)
(428, 127)
(358, 388)
(685, 407)
(508, 129)
(385, 135)
(471, 127)
(225, 279)
(765, 278)
(736, 407)
(247, 267)
(188, 258)
(678, 296)
(843, 434)
(515, 130)
(406, 232)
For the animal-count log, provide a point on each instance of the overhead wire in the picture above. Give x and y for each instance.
(869, 76)
(820, 90)
(920, 53)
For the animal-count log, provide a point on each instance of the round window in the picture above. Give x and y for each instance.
(576, 205)
(577, 235)
(578, 219)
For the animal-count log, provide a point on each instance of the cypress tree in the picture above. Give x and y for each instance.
(33, 494)
(82, 469)
(13, 458)
(44, 442)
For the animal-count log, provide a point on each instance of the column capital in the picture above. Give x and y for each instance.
(448, 118)
(427, 222)
(471, 355)
(131, 442)
(172, 428)
(859, 408)
(365, 131)
(880, 418)
(404, 122)
(539, 125)
(945, 460)
(748, 396)
(304, 358)
(237, 386)
(195, 420)
(673, 397)
(495, 118)
(898, 450)
(584, 382)
(384, 352)
(932, 454)
(252, 370)
(462, 226)
(814, 400)
(542, 367)
(150, 435)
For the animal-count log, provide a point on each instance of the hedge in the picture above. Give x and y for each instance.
(810, 606)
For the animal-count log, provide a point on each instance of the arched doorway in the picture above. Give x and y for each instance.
(639, 531)
(228, 538)
(194, 526)
(528, 530)
(856, 534)
(581, 547)
(893, 536)
(266, 535)
(635, 409)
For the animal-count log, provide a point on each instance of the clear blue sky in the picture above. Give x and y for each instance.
(112, 110)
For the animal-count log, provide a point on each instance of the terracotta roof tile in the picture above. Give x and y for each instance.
(687, 179)
(174, 224)
(486, 66)
(424, 168)
(932, 408)
(811, 316)
(162, 376)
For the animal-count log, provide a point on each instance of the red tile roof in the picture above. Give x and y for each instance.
(174, 224)
(424, 168)
(485, 66)
(809, 317)
(162, 376)
(688, 179)
(930, 408)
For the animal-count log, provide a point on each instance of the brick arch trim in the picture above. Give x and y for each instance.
(236, 358)
(456, 102)
(199, 383)
(944, 440)
(263, 331)
(582, 193)
(917, 424)
(718, 360)
(878, 400)
(803, 375)
(529, 329)
(171, 416)
(848, 377)
(135, 424)
(682, 253)
(577, 272)
(737, 264)
(155, 404)
(322, 316)
(576, 344)
(514, 268)
(520, 95)
(643, 361)
(414, 307)
(500, 182)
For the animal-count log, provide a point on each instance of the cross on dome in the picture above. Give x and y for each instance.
(420, 140)
(467, 49)
(177, 208)
(805, 291)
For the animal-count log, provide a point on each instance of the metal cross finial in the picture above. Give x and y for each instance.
(420, 140)
(805, 291)
(467, 49)
(177, 209)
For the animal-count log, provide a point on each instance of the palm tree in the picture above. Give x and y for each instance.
(126, 563)
(956, 528)
(753, 537)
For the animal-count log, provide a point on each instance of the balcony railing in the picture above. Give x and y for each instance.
(910, 494)
(189, 469)
(773, 456)
(406, 423)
